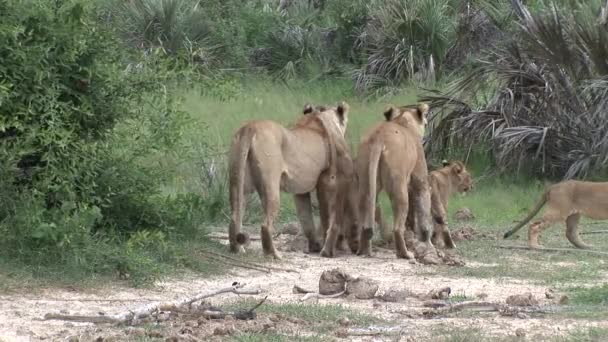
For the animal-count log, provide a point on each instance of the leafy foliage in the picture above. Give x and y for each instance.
(551, 95)
(78, 127)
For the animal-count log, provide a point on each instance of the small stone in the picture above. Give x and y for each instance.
(64, 312)
(344, 322)
(291, 229)
(342, 333)
(69, 325)
(564, 300)
(138, 332)
(482, 295)
(519, 332)
(526, 299)
(549, 294)
(442, 293)
(154, 334)
(464, 214)
(362, 288)
(172, 339)
(220, 331)
(73, 339)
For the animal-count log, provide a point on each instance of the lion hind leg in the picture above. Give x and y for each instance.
(271, 203)
(399, 201)
(572, 231)
(534, 233)
(304, 213)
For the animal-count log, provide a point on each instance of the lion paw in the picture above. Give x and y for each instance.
(327, 253)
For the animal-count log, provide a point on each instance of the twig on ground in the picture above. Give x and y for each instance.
(297, 289)
(311, 295)
(375, 331)
(503, 309)
(605, 231)
(133, 316)
(549, 249)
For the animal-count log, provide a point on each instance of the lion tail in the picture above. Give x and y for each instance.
(368, 186)
(530, 216)
(237, 166)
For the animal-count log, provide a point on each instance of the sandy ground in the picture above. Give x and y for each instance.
(21, 314)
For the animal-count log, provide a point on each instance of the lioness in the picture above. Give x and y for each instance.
(452, 177)
(567, 201)
(269, 158)
(391, 157)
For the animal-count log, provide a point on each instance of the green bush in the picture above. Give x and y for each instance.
(79, 127)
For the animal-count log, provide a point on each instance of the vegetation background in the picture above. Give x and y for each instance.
(115, 115)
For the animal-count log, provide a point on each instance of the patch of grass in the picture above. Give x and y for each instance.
(585, 335)
(275, 337)
(460, 297)
(595, 295)
(324, 316)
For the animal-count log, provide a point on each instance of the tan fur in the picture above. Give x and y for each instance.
(269, 158)
(450, 179)
(566, 202)
(391, 158)
(347, 216)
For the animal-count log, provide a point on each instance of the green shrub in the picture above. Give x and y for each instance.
(79, 130)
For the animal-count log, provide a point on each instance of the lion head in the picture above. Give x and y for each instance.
(412, 115)
(337, 115)
(461, 176)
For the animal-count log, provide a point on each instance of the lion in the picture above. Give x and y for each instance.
(266, 157)
(391, 158)
(451, 178)
(567, 201)
(346, 235)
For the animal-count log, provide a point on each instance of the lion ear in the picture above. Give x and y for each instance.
(389, 112)
(457, 167)
(423, 109)
(342, 111)
(307, 109)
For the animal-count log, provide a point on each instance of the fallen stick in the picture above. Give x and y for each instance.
(554, 249)
(132, 316)
(595, 232)
(297, 289)
(375, 331)
(247, 262)
(317, 296)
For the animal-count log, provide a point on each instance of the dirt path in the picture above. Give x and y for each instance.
(20, 315)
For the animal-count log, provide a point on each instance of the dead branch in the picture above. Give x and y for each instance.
(320, 296)
(375, 331)
(133, 316)
(475, 306)
(595, 232)
(503, 309)
(297, 289)
(554, 249)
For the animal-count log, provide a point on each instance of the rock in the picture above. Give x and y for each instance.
(333, 281)
(464, 214)
(345, 322)
(291, 228)
(549, 294)
(526, 299)
(73, 339)
(136, 332)
(394, 296)
(482, 296)
(220, 331)
(519, 332)
(564, 300)
(442, 293)
(362, 288)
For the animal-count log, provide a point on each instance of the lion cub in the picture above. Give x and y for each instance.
(452, 177)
